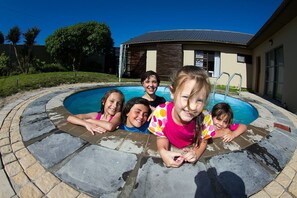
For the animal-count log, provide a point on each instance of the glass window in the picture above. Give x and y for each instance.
(274, 73)
(206, 60)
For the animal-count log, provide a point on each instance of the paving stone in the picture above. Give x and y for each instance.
(293, 165)
(113, 140)
(5, 149)
(289, 172)
(6, 189)
(35, 171)
(155, 180)
(22, 153)
(286, 195)
(4, 142)
(268, 154)
(62, 190)
(260, 194)
(36, 128)
(8, 158)
(17, 146)
(134, 143)
(19, 180)
(274, 189)
(293, 188)
(13, 168)
(55, 148)
(47, 182)
(30, 190)
(15, 137)
(283, 142)
(27, 161)
(82, 195)
(109, 171)
(232, 165)
(283, 180)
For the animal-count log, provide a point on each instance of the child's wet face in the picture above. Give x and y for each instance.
(182, 112)
(221, 122)
(113, 103)
(150, 84)
(137, 116)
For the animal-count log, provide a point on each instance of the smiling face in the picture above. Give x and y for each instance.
(137, 116)
(187, 105)
(113, 103)
(150, 85)
(221, 122)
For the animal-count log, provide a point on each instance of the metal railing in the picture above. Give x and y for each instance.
(228, 84)
(215, 84)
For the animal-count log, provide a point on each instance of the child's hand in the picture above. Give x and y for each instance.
(228, 137)
(190, 155)
(90, 127)
(99, 130)
(172, 159)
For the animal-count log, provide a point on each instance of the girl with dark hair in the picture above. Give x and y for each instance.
(222, 117)
(108, 119)
(150, 81)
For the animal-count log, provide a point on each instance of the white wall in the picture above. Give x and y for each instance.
(151, 60)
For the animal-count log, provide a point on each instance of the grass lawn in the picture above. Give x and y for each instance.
(25, 82)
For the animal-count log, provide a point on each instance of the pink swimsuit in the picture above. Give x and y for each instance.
(180, 136)
(99, 116)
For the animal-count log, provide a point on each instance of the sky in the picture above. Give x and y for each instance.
(130, 18)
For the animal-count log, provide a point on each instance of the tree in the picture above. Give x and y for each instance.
(1, 38)
(30, 37)
(71, 45)
(14, 37)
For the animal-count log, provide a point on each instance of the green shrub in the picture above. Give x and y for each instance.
(54, 67)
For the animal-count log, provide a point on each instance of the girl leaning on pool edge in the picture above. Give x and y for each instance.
(108, 119)
(183, 122)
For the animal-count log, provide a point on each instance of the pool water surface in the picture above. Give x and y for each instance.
(89, 101)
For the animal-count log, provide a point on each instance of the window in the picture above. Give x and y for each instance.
(205, 60)
(274, 73)
(242, 58)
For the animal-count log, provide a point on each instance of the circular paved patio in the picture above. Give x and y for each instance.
(43, 155)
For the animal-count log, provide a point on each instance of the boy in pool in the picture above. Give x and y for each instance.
(222, 117)
(135, 114)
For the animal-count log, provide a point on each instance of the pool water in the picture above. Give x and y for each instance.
(89, 101)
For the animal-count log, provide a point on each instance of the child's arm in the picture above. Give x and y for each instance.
(104, 126)
(233, 134)
(78, 120)
(195, 153)
(170, 159)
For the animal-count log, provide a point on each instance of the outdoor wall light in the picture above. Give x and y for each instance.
(270, 42)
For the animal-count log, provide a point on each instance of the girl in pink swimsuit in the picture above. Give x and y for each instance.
(183, 123)
(108, 119)
(222, 116)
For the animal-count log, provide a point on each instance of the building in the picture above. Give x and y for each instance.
(265, 61)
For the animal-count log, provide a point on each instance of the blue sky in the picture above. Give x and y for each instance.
(130, 18)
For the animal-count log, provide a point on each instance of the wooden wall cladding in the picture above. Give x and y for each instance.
(169, 58)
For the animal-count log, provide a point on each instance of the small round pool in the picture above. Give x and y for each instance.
(89, 101)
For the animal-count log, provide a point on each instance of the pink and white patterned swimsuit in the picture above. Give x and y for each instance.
(180, 136)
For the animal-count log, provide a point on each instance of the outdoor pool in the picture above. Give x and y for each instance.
(89, 101)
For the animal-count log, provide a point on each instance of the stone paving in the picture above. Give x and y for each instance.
(44, 156)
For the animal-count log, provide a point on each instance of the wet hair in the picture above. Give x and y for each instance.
(131, 103)
(107, 94)
(178, 81)
(148, 74)
(222, 109)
